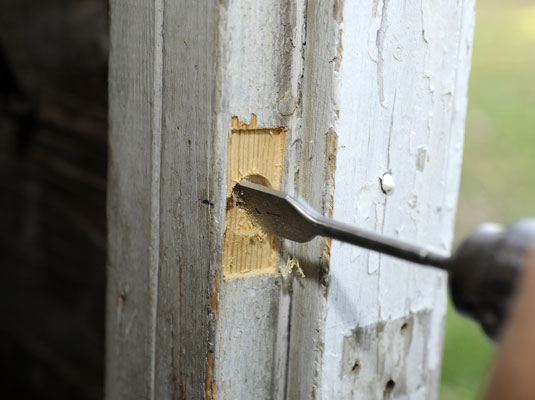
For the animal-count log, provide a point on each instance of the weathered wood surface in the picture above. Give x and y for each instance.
(396, 104)
(161, 233)
(361, 90)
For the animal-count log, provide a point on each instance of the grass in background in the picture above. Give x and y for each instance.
(498, 178)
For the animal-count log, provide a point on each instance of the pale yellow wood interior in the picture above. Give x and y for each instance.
(258, 155)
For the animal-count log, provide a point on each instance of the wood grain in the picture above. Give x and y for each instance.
(359, 90)
(390, 80)
(161, 237)
(256, 155)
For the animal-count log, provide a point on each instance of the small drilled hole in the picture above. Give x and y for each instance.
(404, 328)
(389, 386)
(356, 367)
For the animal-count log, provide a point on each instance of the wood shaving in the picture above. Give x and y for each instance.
(287, 269)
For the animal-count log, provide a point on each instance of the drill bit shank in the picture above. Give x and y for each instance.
(280, 214)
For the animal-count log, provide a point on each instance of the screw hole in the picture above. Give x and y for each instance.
(404, 327)
(390, 386)
(356, 367)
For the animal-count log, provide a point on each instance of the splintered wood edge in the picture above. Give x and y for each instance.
(256, 154)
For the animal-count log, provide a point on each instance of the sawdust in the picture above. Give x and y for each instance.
(287, 269)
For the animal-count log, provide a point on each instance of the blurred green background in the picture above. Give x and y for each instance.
(498, 177)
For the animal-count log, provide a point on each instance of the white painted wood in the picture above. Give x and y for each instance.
(400, 93)
(362, 88)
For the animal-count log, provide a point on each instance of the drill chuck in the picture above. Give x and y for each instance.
(485, 269)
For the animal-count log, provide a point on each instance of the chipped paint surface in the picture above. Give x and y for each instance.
(403, 83)
(384, 356)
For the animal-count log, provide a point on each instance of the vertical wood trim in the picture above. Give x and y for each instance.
(314, 183)
(130, 305)
(163, 239)
(260, 67)
(382, 78)
(156, 147)
(190, 179)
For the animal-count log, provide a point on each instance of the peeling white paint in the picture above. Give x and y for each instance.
(426, 173)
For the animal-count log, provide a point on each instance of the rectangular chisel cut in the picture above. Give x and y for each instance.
(255, 154)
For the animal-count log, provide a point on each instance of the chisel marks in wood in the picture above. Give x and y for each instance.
(256, 154)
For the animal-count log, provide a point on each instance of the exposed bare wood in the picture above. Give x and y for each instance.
(256, 155)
